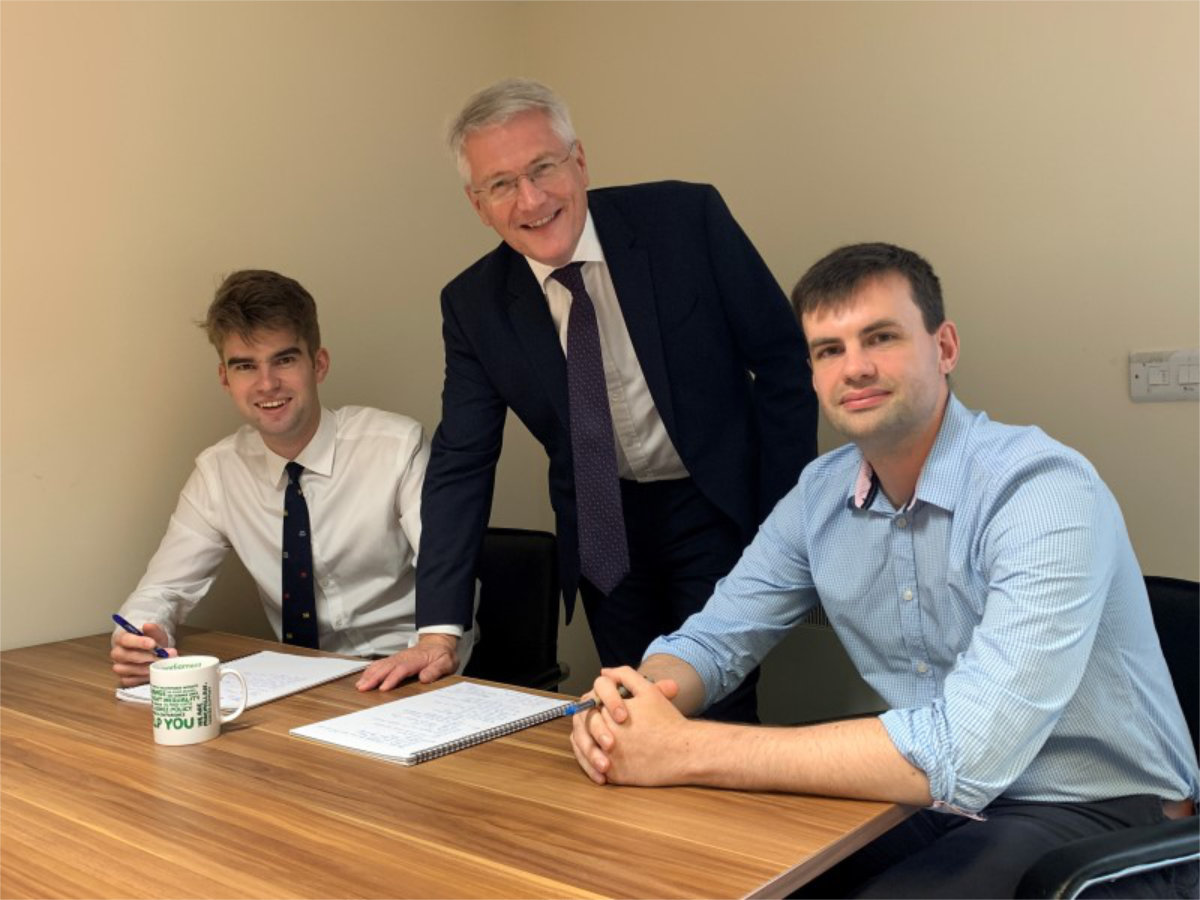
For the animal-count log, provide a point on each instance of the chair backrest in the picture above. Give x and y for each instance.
(1175, 604)
(518, 610)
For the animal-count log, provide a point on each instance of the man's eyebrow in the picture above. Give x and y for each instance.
(870, 328)
(880, 324)
(822, 342)
(513, 173)
(240, 360)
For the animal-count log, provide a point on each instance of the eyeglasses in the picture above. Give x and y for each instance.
(540, 175)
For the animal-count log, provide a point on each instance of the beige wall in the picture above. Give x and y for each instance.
(1042, 155)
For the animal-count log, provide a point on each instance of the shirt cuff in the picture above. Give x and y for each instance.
(911, 732)
(683, 648)
(455, 630)
(922, 737)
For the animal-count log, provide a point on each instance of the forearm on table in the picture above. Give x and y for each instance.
(848, 758)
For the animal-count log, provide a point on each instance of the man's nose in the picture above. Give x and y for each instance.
(529, 194)
(267, 378)
(857, 364)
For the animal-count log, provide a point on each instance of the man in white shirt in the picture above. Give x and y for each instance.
(360, 475)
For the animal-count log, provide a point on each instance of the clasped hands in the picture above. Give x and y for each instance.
(642, 740)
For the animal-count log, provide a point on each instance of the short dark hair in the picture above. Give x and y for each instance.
(254, 299)
(831, 281)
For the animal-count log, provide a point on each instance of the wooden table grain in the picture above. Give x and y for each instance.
(90, 806)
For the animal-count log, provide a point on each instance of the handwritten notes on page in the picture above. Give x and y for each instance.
(415, 729)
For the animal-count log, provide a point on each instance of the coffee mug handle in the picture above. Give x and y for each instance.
(245, 694)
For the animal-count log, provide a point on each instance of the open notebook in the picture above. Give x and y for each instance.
(269, 676)
(416, 729)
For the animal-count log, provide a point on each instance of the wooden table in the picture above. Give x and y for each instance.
(92, 807)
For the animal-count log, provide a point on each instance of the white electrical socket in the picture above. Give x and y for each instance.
(1161, 375)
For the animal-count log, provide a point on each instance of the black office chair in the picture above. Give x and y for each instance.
(1068, 871)
(518, 610)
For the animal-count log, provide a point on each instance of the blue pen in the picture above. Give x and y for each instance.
(133, 629)
(584, 705)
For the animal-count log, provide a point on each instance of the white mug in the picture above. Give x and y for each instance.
(185, 696)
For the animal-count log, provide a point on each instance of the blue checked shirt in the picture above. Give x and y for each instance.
(1001, 615)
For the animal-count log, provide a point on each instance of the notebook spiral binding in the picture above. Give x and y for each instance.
(488, 734)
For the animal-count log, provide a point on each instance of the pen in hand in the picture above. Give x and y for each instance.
(591, 703)
(133, 629)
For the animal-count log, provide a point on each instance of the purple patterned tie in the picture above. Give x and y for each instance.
(603, 552)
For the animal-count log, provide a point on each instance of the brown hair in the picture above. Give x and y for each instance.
(255, 299)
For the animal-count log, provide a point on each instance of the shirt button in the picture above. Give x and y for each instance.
(922, 668)
(907, 595)
(901, 522)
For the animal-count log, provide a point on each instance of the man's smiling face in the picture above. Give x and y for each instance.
(879, 375)
(273, 380)
(542, 221)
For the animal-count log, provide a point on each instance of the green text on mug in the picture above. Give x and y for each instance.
(185, 694)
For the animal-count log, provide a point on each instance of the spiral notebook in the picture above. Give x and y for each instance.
(416, 729)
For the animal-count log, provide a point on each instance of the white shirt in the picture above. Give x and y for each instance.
(644, 449)
(362, 478)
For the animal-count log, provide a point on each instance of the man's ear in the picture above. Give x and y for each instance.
(947, 341)
(581, 161)
(321, 364)
(223, 376)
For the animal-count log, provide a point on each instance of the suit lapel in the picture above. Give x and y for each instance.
(629, 266)
(530, 318)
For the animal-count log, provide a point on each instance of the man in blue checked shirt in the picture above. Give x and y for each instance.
(981, 579)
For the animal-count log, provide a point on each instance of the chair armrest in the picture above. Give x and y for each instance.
(1067, 870)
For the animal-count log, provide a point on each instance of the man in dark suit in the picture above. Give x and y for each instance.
(640, 337)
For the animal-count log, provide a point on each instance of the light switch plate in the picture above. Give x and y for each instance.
(1162, 375)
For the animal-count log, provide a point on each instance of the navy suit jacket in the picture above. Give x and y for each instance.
(717, 342)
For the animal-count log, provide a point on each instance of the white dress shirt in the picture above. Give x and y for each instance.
(362, 479)
(644, 449)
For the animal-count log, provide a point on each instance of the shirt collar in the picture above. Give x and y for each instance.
(866, 486)
(317, 455)
(939, 482)
(587, 250)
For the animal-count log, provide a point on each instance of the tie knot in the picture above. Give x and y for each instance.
(294, 469)
(570, 276)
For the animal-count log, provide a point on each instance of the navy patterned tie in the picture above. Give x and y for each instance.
(603, 551)
(299, 600)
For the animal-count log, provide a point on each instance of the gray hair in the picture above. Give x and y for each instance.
(497, 104)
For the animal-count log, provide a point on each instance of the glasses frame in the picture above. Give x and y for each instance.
(510, 185)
